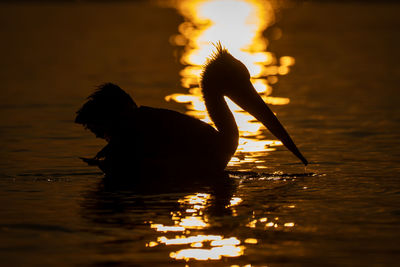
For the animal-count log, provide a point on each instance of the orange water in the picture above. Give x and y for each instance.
(342, 112)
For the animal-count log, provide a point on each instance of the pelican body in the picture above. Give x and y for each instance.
(151, 141)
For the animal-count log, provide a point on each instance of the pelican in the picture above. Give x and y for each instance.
(145, 141)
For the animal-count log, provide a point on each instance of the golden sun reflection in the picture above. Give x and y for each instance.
(187, 221)
(186, 233)
(239, 26)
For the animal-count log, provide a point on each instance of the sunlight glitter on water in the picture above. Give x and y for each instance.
(210, 21)
(206, 23)
(200, 246)
(268, 224)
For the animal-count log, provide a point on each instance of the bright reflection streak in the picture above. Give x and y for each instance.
(162, 228)
(239, 26)
(151, 244)
(235, 201)
(251, 241)
(193, 223)
(223, 242)
(215, 253)
(189, 240)
(196, 245)
(289, 224)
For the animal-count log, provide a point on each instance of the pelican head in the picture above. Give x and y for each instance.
(224, 75)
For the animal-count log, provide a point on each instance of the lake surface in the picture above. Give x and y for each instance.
(344, 209)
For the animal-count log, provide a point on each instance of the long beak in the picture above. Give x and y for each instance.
(251, 101)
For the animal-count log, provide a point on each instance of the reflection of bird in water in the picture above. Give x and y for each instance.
(150, 141)
(110, 203)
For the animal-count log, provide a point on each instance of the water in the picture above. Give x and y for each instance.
(342, 113)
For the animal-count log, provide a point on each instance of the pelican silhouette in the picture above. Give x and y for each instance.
(145, 140)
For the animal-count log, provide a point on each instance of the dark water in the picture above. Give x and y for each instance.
(343, 114)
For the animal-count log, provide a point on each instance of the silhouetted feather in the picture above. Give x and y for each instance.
(105, 104)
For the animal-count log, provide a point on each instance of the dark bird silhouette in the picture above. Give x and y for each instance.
(146, 141)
